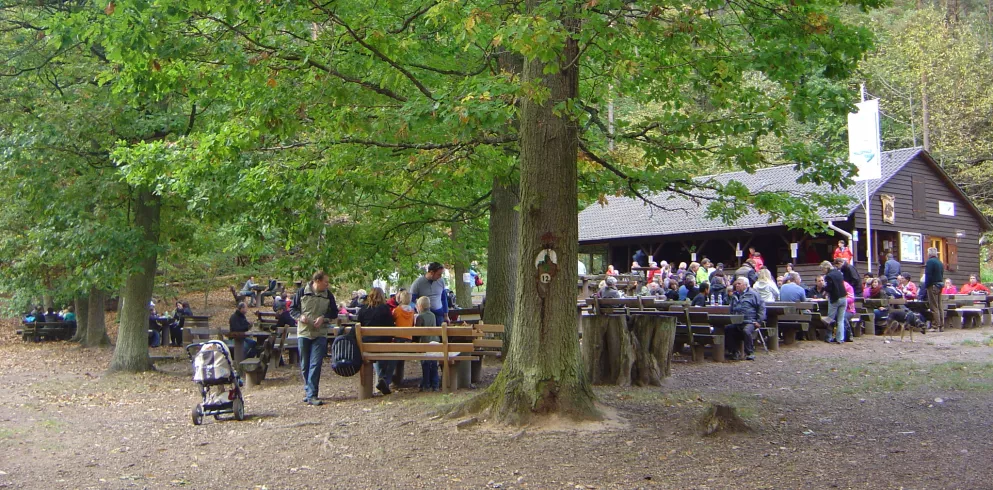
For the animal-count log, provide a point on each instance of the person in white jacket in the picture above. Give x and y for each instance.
(766, 286)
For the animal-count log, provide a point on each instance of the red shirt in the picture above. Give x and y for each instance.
(845, 253)
(969, 288)
(909, 291)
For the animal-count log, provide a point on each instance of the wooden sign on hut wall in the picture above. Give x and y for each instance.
(889, 211)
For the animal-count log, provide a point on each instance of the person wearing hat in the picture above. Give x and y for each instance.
(611, 292)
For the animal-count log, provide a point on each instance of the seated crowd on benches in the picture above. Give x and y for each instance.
(169, 327)
(752, 285)
(39, 315)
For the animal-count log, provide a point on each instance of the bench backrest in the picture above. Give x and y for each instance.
(474, 339)
(206, 333)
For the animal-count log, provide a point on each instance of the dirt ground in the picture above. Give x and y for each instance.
(862, 415)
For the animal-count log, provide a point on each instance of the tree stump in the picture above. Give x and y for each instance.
(619, 351)
(722, 418)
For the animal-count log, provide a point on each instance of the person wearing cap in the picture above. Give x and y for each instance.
(611, 292)
(432, 286)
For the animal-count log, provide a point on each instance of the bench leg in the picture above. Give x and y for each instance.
(365, 381)
(698, 352)
(954, 321)
(449, 381)
(987, 319)
(789, 336)
(253, 378)
(773, 338)
(718, 347)
(477, 371)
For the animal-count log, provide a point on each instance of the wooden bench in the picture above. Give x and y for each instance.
(255, 368)
(266, 320)
(36, 331)
(373, 351)
(199, 323)
(693, 329)
(238, 297)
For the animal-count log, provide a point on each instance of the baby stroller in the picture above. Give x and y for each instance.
(212, 373)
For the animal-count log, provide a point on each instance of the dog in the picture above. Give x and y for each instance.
(903, 321)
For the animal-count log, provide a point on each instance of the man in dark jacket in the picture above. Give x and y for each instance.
(891, 269)
(837, 301)
(747, 270)
(850, 275)
(239, 322)
(747, 303)
(934, 280)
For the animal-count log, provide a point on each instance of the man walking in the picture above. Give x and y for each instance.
(432, 285)
(934, 280)
(313, 308)
(834, 284)
(747, 303)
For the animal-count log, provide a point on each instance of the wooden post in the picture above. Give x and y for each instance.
(365, 381)
(448, 382)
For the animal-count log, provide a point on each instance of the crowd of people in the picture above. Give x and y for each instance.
(747, 289)
(314, 308)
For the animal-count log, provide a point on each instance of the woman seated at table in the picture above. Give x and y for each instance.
(949, 288)
(284, 318)
(240, 323)
(974, 287)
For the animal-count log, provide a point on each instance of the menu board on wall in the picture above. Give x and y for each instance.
(911, 247)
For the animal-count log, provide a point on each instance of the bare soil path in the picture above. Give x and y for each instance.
(862, 415)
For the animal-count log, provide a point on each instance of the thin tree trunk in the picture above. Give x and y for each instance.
(131, 353)
(82, 317)
(925, 113)
(463, 291)
(501, 258)
(96, 328)
(543, 373)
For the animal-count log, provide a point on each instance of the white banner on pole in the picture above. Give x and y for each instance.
(863, 141)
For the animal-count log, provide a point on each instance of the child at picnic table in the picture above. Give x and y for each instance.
(429, 369)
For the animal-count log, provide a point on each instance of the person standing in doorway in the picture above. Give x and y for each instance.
(314, 307)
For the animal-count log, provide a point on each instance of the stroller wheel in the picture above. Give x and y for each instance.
(238, 406)
(197, 415)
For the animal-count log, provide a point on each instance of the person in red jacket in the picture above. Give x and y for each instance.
(843, 252)
(974, 287)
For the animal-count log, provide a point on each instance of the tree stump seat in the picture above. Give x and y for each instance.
(628, 350)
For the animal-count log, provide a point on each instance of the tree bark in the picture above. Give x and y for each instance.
(925, 113)
(96, 325)
(82, 318)
(501, 258)
(543, 373)
(625, 351)
(131, 353)
(463, 291)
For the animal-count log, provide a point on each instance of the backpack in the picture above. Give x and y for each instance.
(479, 281)
(346, 358)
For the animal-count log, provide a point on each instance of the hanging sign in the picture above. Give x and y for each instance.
(863, 141)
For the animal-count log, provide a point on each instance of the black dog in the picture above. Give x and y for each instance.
(900, 320)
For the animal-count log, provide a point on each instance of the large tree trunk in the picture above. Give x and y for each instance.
(501, 257)
(543, 373)
(96, 325)
(82, 306)
(463, 291)
(131, 353)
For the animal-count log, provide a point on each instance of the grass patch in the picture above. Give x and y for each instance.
(435, 401)
(987, 342)
(908, 375)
